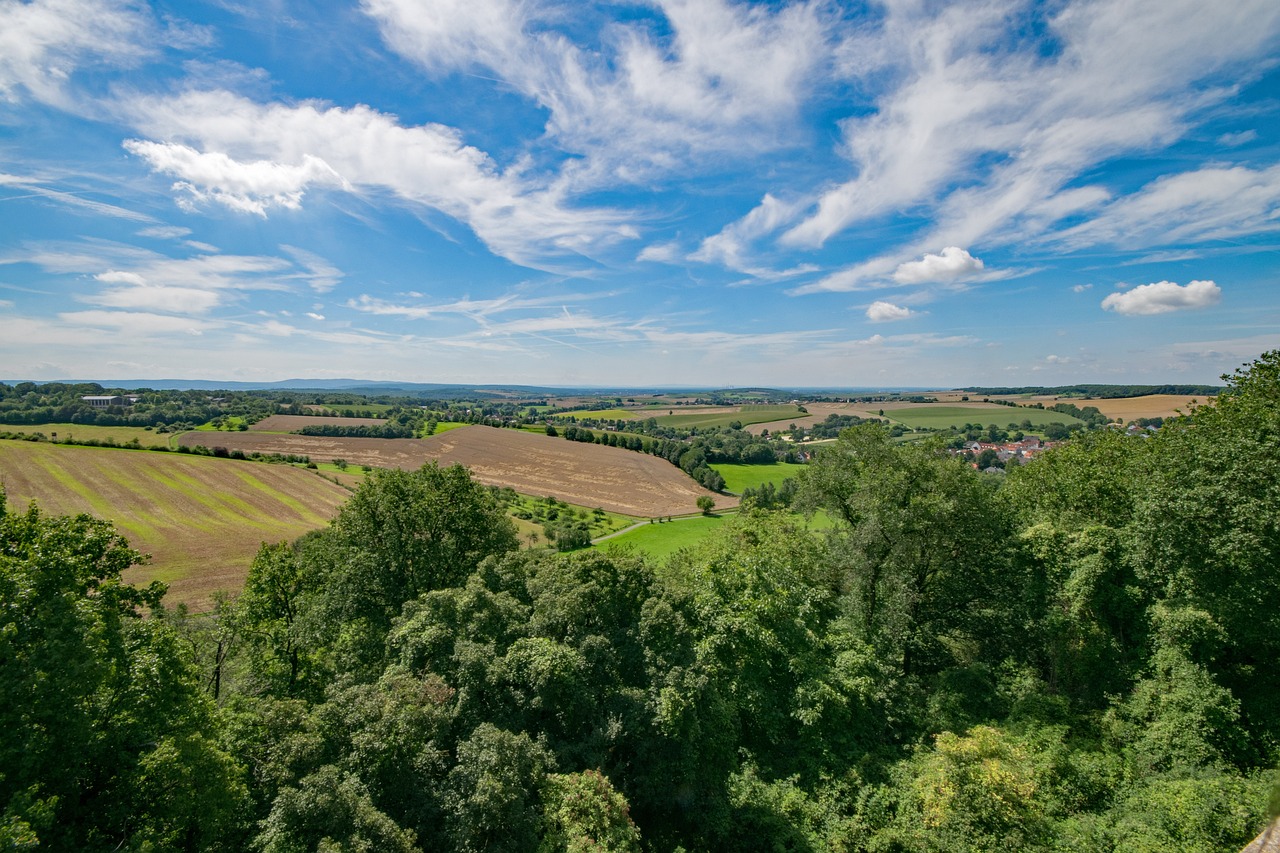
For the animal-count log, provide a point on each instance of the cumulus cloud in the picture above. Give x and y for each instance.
(884, 312)
(246, 187)
(1163, 297)
(1080, 288)
(951, 264)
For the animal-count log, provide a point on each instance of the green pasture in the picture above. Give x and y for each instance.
(84, 432)
(660, 541)
(747, 415)
(601, 414)
(445, 426)
(738, 477)
(940, 417)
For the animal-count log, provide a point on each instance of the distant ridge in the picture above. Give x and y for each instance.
(441, 389)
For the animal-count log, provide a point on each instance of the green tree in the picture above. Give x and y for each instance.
(402, 534)
(706, 503)
(106, 738)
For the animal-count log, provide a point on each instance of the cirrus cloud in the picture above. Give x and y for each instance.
(1163, 297)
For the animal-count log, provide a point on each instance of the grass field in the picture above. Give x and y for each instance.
(201, 519)
(722, 417)
(82, 432)
(660, 541)
(603, 414)
(445, 426)
(932, 416)
(739, 477)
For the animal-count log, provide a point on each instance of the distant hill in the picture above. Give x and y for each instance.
(1100, 391)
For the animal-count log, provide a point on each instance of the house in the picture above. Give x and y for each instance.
(99, 401)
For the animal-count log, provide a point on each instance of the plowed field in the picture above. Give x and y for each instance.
(585, 474)
(201, 520)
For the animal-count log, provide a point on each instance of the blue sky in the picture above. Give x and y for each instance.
(626, 193)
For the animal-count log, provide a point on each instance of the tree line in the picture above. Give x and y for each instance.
(1077, 657)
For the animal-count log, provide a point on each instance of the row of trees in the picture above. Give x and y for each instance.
(1077, 657)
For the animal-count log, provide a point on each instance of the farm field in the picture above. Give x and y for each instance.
(82, 432)
(589, 475)
(202, 520)
(818, 412)
(1150, 406)
(738, 477)
(288, 423)
(935, 416)
(722, 416)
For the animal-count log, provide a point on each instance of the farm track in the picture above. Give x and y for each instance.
(202, 520)
(589, 475)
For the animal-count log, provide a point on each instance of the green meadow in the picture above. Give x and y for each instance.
(659, 541)
(85, 432)
(738, 477)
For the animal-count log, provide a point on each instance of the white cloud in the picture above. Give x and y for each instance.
(884, 312)
(43, 43)
(136, 322)
(165, 232)
(245, 187)
(663, 253)
(983, 137)
(523, 218)
(953, 263)
(1080, 288)
(320, 274)
(1231, 140)
(639, 102)
(1163, 297)
(731, 245)
(1213, 203)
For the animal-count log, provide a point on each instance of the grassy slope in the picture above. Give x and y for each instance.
(82, 432)
(738, 477)
(201, 519)
(662, 540)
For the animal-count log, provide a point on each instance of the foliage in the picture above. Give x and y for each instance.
(1080, 657)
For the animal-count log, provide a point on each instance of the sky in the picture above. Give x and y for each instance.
(675, 192)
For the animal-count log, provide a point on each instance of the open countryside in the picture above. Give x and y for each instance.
(584, 474)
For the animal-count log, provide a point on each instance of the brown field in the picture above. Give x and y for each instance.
(202, 520)
(1150, 406)
(584, 474)
(288, 423)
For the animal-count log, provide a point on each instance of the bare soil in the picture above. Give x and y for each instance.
(591, 475)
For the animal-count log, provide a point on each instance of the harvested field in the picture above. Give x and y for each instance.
(1150, 406)
(585, 474)
(201, 520)
(288, 423)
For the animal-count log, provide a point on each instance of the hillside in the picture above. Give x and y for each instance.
(202, 520)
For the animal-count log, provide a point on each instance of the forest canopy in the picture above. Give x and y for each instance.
(1078, 656)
